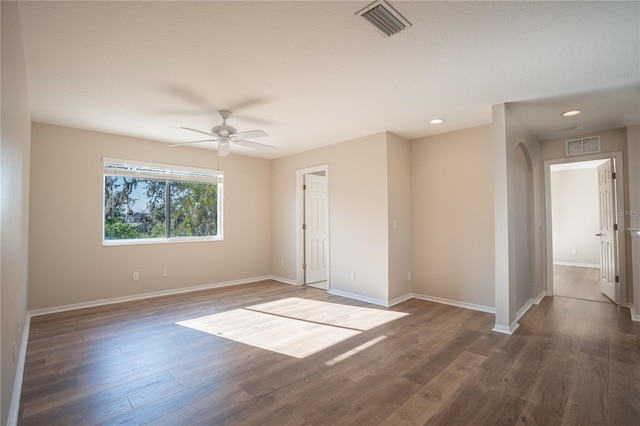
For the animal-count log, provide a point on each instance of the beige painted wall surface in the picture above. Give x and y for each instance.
(525, 207)
(399, 176)
(574, 202)
(633, 146)
(357, 214)
(69, 264)
(523, 237)
(452, 216)
(14, 199)
(611, 141)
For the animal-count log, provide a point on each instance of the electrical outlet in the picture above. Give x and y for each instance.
(281, 263)
(409, 275)
(165, 273)
(574, 251)
(15, 352)
(353, 275)
(136, 276)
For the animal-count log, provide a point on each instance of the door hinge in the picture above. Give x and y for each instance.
(304, 187)
(304, 266)
(617, 278)
(615, 226)
(613, 175)
(304, 226)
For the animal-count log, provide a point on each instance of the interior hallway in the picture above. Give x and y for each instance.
(578, 282)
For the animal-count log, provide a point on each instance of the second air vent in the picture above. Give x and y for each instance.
(384, 17)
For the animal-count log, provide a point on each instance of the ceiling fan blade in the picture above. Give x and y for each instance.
(197, 131)
(223, 149)
(252, 144)
(250, 134)
(186, 143)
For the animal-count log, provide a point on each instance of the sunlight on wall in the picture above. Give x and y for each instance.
(295, 327)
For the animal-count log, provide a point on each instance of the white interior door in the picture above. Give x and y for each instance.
(607, 232)
(316, 213)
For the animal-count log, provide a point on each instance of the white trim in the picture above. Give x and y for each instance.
(372, 300)
(619, 169)
(400, 299)
(283, 280)
(506, 330)
(300, 220)
(581, 265)
(14, 409)
(456, 303)
(529, 304)
(634, 314)
(102, 302)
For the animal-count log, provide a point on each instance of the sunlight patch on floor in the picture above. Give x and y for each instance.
(355, 350)
(346, 316)
(294, 327)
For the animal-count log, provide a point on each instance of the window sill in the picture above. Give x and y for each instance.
(143, 241)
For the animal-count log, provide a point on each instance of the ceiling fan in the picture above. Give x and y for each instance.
(225, 134)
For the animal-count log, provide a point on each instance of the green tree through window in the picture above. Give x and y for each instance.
(142, 208)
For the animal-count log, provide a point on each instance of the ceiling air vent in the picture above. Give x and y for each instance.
(384, 17)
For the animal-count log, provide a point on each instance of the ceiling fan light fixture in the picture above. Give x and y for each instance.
(571, 113)
(384, 17)
(436, 121)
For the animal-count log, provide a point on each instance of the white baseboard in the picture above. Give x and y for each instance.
(14, 409)
(400, 299)
(366, 299)
(634, 314)
(102, 302)
(506, 330)
(529, 304)
(582, 265)
(456, 303)
(283, 280)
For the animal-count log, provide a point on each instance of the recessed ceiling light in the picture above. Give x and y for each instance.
(571, 113)
(437, 121)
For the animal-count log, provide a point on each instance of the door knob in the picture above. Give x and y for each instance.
(598, 235)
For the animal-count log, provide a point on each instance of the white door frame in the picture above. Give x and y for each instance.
(620, 239)
(300, 220)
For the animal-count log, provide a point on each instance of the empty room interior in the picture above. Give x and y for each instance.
(320, 212)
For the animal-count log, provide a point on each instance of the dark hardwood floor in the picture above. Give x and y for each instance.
(578, 282)
(274, 354)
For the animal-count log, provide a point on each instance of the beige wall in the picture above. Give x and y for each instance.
(633, 149)
(611, 141)
(518, 212)
(69, 264)
(574, 202)
(399, 184)
(14, 199)
(358, 215)
(452, 216)
(526, 209)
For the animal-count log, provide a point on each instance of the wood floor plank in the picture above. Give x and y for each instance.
(571, 362)
(418, 409)
(588, 398)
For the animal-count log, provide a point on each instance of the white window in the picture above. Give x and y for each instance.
(149, 202)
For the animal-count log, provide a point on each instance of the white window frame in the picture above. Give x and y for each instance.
(167, 172)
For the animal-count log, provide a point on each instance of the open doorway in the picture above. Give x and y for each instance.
(313, 220)
(584, 257)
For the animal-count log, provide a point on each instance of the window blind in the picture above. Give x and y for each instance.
(158, 171)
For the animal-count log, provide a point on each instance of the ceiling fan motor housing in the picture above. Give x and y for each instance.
(223, 130)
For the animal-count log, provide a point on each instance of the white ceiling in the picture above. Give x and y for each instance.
(312, 73)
